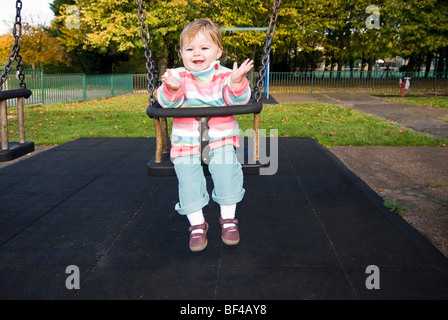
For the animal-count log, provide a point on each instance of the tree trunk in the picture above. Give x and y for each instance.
(429, 57)
(162, 62)
(440, 63)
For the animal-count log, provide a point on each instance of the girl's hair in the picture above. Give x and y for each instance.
(210, 28)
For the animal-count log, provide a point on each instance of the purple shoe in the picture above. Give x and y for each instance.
(198, 241)
(229, 236)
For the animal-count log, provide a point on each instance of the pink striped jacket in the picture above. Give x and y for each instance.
(207, 88)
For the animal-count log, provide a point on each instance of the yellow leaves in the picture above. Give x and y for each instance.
(6, 41)
(103, 24)
(36, 46)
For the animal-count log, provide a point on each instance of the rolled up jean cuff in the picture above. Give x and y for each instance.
(229, 200)
(192, 207)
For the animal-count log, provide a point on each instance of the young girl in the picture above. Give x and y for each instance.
(203, 82)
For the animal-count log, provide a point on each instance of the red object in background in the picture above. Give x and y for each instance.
(403, 88)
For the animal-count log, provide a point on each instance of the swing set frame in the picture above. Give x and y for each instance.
(160, 164)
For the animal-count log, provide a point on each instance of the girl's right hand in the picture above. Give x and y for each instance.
(171, 82)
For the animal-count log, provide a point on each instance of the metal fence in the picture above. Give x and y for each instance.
(374, 81)
(53, 88)
(307, 82)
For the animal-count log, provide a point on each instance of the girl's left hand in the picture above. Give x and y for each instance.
(238, 74)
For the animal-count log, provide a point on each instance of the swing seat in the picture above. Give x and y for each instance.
(161, 165)
(15, 93)
(13, 150)
(10, 151)
(16, 150)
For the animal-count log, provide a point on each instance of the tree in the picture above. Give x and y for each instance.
(111, 27)
(39, 49)
(107, 35)
(84, 29)
(244, 44)
(422, 30)
(6, 42)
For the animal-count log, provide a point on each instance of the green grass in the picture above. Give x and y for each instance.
(121, 116)
(125, 116)
(431, 101)
(333, 125)
(399, 209)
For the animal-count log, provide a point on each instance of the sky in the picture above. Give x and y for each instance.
(33, 11)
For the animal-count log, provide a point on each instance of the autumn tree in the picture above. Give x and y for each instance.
(83, 28)
(302, 33)
(422, 31)
(6, 42)
(241, 44)
(111, 27)
(37, 48)
(107, 32)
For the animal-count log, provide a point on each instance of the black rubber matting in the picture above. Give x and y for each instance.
(310, 231)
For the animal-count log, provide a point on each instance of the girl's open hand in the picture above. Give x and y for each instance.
(171, 82)
(238, 74)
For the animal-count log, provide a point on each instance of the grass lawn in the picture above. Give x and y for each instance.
(431, 101)
(125, 116)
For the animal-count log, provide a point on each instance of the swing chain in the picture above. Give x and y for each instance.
(152, 76)
(15, 56)
(266, 51)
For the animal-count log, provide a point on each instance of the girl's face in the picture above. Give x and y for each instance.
(200, 53)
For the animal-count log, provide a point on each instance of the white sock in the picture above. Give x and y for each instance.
(228, 212)
(196, 218)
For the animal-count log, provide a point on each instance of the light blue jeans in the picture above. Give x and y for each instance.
(227, 176)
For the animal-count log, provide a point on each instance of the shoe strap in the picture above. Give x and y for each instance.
(199, 226)
(228, 221)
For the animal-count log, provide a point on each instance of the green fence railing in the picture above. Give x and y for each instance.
(374, 81)
(53, 88)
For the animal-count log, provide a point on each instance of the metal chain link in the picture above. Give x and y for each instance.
(15, 49)
(152, 75)
(266, 51)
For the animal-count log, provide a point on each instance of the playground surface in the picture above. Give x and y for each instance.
(316, 229)
(413, 177)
